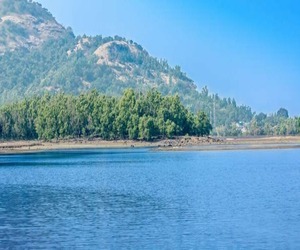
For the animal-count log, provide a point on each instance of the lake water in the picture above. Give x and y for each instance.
(138, 198)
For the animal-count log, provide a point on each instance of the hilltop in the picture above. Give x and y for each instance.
(25, 24)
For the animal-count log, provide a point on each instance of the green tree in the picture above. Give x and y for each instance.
(202, 125)
(146, 128)
(126, 114)
(283, 113)
(91, 114)
(298, 125)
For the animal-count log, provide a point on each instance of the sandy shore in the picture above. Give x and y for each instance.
(179, 144)
(9, 147)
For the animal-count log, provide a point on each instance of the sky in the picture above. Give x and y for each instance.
(244, 49)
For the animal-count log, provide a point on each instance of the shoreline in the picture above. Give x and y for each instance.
(234, 147)
(245, 143)
(178, 144)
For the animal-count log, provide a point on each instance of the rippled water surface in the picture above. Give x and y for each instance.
(139, 198)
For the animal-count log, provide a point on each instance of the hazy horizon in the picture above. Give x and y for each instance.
(245, 50)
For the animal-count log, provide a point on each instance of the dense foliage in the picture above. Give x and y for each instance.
(298, 125)
(132, 116)
(278, 124)
(274, 124)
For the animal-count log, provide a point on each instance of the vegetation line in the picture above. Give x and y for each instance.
(132, 116)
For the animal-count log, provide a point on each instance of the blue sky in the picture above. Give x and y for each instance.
(246, 49)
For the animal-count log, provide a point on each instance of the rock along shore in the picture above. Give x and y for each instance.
(176, 144)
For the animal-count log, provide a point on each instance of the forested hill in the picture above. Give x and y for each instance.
(38, 56)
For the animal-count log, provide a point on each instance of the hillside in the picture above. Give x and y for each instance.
(38, 55)
(26, 25)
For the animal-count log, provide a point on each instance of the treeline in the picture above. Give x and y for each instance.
(276, 124)
(223, 112)
(131, 116)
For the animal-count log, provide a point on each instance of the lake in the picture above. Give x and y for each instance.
(138, 198)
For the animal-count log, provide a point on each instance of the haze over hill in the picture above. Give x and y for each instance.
(38, 55)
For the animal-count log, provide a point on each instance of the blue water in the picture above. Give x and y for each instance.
(138, 198)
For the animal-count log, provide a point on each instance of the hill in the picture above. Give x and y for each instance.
(26, 24)
(38, 55)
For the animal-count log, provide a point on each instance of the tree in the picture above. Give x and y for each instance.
(202, 125)
(261, 117)
(283, 113)
(146, 128)
(131, 116)
(298, 125)
(254, 128)
(126, 111)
